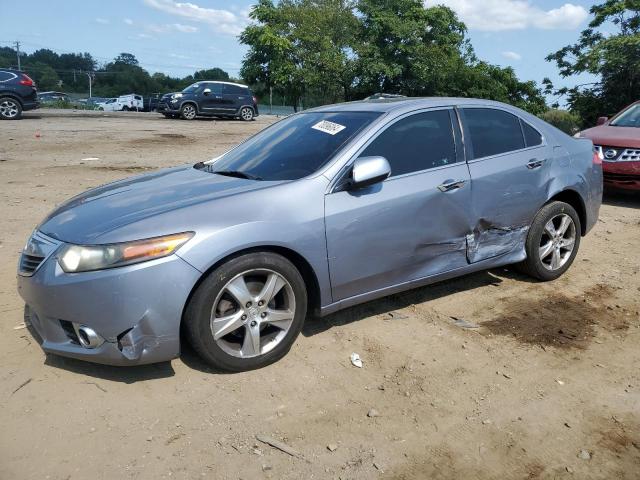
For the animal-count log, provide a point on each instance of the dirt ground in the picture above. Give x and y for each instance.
(551, 371)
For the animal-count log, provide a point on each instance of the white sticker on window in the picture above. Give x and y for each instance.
(328, 127)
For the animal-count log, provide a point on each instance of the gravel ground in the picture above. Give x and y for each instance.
(547, 386)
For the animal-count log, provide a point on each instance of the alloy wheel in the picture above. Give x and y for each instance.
(246, 113)
(9, 109)
(189, 112)
(557, 241)
(253, 313)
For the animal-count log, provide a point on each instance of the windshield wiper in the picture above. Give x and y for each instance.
(227, 173)
(237, 174)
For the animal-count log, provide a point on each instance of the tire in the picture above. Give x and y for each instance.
(188, 111)
(551, 251)
(246, 114)
(276, 323)
(10, 109)
(125, 109)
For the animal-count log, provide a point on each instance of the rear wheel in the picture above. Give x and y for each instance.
(125, 109)
(247, 313)
(246, 114)
(10, 108)
(188, 111)
(552, 242)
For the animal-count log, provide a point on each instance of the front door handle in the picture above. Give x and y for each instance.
(535, 163)
(450, 185)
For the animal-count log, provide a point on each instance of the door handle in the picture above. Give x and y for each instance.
(450, 185)
(535, 163)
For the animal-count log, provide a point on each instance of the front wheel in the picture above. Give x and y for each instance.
(247, 313)
(188, 111)
(10, 109)
(552, 242)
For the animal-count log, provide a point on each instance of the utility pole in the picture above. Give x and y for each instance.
(90, 76)
(17, 43)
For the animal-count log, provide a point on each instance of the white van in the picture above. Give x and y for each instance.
(123, 103)
(131, 102)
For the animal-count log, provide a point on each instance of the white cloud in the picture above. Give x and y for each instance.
(185, 28)
(222, 21)
(496, 15)
(128, 21)
(512, 55)
(170, 27)
(181, 57)
(102, 21)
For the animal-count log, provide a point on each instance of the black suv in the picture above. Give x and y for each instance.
(17, 94)
(210, 99)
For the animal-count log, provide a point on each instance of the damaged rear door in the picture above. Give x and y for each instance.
(413, 224)
(509, 163)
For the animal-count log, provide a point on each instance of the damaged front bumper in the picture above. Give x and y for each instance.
(135, 310)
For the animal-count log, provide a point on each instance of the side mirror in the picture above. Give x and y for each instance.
(206, 91)
(368, 171)
(601, 121)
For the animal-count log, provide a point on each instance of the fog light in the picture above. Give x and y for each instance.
(87, 336)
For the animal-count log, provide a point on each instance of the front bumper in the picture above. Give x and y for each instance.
(136, 309)
(621, 175)
(167, 107)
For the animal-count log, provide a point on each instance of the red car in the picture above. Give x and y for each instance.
(618, 143)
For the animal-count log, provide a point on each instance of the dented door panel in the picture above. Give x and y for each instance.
(506, 194)
(399, 230)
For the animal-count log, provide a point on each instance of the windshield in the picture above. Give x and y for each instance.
(294, 147)
(191, 88)
(629, 118)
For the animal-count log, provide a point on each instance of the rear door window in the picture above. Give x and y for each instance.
(234, 89)
(415, 143)
(493, 131)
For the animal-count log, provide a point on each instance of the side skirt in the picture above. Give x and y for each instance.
(514, 256)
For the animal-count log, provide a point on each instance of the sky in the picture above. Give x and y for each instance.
(179, 37)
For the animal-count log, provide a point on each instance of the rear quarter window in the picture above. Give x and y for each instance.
(4, 76)
(532, 137)
(236, 90)
(493, 131)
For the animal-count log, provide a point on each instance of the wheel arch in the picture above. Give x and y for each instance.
(192, 102)
(14, 96)
(574, 199)
(304, 267)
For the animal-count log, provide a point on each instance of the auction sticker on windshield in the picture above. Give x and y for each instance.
(328, 127)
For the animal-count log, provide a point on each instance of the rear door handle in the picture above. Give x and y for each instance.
(535, 163)
(450, 185)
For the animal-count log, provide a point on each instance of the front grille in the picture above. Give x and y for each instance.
(37, 249)
(618, 154)
(29, 263)
(630, 155)
(70, 331)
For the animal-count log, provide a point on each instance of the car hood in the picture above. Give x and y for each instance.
(614, 136)
(86, 217)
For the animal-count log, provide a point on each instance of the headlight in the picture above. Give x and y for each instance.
(78, 258)
(175, 96)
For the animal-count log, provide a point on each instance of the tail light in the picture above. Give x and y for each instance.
(255, 100)
(26, 81)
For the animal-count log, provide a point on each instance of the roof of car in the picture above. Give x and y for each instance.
(402, 103)
(220, 81)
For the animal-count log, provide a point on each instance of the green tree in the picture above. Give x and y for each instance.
(332, 50)
(298, 47)
(613, 57)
